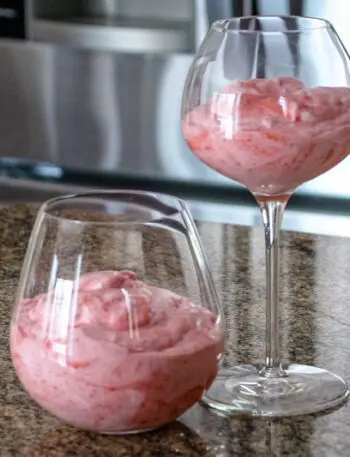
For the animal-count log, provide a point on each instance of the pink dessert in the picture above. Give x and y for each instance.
(128, 357)
(271, 134)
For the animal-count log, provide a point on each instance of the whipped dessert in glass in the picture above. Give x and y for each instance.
(271, 134)
(133, 357)
(267, 104)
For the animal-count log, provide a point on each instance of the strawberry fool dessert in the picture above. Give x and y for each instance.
(271, 134)
(129, 357)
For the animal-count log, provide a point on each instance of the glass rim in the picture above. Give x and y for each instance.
(48, 205)
(221, 25)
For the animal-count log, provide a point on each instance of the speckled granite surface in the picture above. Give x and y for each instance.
(316, 330)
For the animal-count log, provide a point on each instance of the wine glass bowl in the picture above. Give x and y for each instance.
(252, 83)
(267, 104)
(117, 326)
(242, 131)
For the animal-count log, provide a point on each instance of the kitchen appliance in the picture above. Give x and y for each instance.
(144, 25)
(112, 107)
(121, 25)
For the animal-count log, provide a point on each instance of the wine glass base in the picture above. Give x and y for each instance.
(304, 390)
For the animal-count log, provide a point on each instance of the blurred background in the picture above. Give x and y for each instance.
(90, 96)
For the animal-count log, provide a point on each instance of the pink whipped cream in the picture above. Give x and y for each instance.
(271, 134)
(128, 357)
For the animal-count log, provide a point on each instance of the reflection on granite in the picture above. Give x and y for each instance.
(316, 330)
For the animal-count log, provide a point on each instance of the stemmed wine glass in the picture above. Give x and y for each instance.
(117, 325)
(267, 104)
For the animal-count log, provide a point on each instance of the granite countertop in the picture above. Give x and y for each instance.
(316, 330)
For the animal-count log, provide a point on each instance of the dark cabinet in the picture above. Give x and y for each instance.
(13, 19)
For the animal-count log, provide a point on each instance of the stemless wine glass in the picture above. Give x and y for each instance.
(117, 325)
(267, 104)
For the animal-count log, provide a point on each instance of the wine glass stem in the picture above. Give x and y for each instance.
(272, 213)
